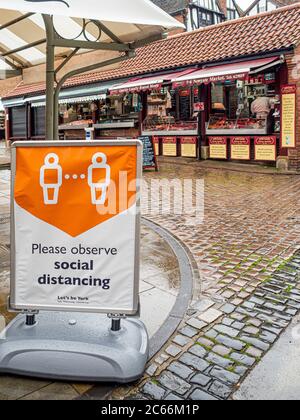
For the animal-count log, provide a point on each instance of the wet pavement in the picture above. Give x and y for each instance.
(250, 231)
(4, 154)
(249, 289)
(159, 286)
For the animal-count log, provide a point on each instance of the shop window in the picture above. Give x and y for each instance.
(18, 121)
(217, 98)
(38, 119)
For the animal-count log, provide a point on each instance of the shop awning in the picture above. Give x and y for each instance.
(234, 71)
(146, 83)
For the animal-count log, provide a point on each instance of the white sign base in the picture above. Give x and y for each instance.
(74, 347)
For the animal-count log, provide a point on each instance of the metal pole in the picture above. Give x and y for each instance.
(50, 77)
(30, 320)
(115, 324)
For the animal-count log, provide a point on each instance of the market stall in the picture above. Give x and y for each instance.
(242, 109)
(165, 114)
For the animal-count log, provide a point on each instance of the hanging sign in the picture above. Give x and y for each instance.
(240, 148)
(188, 147)
(149, 156)
(218, 147)
(265, 148)
(199, 106)
(75, 226)
(170, 146)
(288, 116)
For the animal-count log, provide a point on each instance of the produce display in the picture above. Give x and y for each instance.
(80, 122)
(219, 123)
(168, 124)
(250, 123)
(222, 123)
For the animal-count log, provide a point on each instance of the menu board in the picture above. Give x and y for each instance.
(188, 147)
(288, 116)
(184, 104)
(169, 146)
(265, 148)
(218, 147)
(149, 157)
(240, 148)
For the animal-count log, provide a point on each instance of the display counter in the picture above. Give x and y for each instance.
(221, 126)
(117, 128)
(168, 127)
(74, 130)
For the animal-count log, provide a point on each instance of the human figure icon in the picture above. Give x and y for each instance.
(51, 179)
(99, 178)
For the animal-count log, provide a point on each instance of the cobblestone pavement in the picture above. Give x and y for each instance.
(246, 251)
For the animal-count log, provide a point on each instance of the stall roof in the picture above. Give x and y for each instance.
(128, 20)
(145, 83)
(270, 32)
(232, 71)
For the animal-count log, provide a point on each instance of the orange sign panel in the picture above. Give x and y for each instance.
(73, 174)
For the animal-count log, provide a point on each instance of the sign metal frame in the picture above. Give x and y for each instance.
(63, 308)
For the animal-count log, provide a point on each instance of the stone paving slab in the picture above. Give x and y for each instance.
(249, 290)
(213, 364)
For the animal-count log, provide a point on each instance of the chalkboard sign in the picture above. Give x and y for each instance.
(149, 157)
(185, 105)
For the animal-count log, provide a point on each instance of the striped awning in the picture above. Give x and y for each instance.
(128, 20)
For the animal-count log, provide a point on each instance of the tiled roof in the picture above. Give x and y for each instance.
(171, 6)
(248, 36)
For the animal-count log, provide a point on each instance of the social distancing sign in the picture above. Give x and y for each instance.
(75, 226)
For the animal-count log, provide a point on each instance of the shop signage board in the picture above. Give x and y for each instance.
(185, 104)
(69, 260)
(188, 147)
(288, 116)
(156, 145)
(265, 148)
(218, 147)
(170, 146)
(149, 155)
(240, 148)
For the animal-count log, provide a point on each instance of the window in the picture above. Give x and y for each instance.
(38, 118)
(231, 10)
(208, 4)
(18, 122)
(262, 6)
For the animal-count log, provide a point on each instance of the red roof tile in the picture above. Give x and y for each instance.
(266, 32)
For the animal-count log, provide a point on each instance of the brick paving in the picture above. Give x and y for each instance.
(248, 259)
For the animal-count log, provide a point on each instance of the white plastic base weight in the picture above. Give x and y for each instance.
(74, 347)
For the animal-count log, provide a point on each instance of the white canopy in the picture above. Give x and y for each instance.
(139, 12)
(128, 20)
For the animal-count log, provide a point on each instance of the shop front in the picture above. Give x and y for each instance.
(240, 109)
(166, 114)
